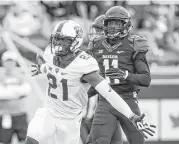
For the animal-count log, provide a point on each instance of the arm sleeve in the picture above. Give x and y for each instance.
(142, 75)
(113, 98)
(103, 88)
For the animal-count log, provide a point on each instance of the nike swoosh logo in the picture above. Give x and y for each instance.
(120, 52)
(109, 90)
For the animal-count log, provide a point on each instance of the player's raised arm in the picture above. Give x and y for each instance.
(101, 85)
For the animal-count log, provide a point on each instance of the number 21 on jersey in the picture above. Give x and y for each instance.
(53, 85)
(107, 63)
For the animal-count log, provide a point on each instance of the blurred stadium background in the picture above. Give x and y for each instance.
(25, 27)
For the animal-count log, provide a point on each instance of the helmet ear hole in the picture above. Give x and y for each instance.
(96, 28)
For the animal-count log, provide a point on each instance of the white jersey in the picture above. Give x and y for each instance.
(67, 95)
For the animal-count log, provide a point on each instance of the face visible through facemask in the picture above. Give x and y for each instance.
(114, 26)
(61, 45)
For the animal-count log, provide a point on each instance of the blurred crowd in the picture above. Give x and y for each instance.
(34, 21)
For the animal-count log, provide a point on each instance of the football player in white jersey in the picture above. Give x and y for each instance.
(70, 73)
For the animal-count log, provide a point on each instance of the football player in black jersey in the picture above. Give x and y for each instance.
(122, 61)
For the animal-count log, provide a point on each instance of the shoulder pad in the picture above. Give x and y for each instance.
(87, 63)
(140, 44)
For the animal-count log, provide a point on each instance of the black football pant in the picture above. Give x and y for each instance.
(105, 123)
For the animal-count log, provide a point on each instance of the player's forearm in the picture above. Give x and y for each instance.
(139, 79)
(92, 103)
(113, 98)
(89, 113)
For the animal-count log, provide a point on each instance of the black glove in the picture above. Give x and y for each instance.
(37, 66)
(116, 73)
(141, 125)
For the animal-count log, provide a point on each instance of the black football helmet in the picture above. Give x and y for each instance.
(117, 22)
(96, 28)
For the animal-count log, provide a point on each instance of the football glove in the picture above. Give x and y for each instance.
(116, 73)
(36, 67)
(144, 127)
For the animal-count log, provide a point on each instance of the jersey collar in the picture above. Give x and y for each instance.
(109, 47)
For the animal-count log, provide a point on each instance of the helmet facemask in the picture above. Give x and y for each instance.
(117, 28)
(61, 44)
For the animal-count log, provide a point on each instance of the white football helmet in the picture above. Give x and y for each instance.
(67, 37)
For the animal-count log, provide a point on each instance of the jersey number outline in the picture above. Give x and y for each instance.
(114, 64)
(54, 86)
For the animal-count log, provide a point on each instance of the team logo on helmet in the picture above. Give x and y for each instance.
(79, 32)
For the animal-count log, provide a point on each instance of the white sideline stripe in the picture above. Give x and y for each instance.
(165, 82)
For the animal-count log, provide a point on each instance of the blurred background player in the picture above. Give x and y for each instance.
(96, 28)
(122, 61)
(69, 82)
(13, 90)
